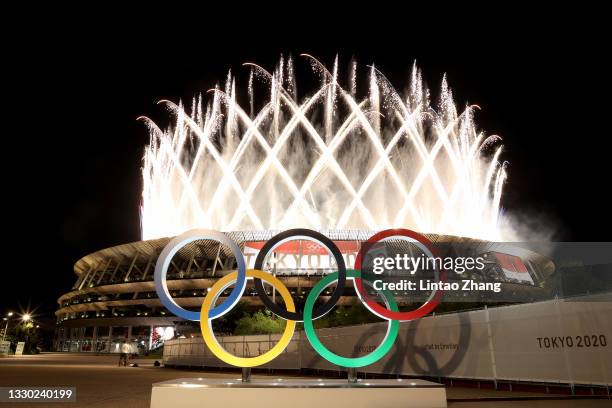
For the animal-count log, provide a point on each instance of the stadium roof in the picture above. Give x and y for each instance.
(208, 249)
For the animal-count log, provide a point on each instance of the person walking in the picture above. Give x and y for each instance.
(123, 356)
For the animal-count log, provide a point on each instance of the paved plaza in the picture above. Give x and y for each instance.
(101, 383)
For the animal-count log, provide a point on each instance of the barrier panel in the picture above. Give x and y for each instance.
(561, 340)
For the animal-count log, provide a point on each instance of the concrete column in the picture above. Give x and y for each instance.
(110, 339)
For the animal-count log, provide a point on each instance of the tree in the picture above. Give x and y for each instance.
(28, 333)
(259, 323)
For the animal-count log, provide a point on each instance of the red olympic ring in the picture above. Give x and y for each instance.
(381, 311)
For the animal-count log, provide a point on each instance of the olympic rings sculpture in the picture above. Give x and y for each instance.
(238, 279)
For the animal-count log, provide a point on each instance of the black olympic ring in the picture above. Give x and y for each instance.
(288, 235)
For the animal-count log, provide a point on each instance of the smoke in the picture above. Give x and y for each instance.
(333, 160)
(534, 225)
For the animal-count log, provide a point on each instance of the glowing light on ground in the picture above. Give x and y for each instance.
(330, 160)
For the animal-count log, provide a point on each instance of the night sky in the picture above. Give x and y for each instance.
(73, 148)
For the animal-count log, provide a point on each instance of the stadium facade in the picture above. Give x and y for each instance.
(114, 297)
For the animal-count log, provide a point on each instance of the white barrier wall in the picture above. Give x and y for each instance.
(565, 340)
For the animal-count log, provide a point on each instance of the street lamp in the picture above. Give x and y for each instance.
(26, 317)
(7, 319)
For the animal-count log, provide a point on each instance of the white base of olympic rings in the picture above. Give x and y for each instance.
(296, 393)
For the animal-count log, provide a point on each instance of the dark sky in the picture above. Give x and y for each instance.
(73, 147)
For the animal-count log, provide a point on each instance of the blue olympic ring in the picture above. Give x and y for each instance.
(163, 262)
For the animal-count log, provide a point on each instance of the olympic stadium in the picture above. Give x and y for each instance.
(485, 340)
(114, 296)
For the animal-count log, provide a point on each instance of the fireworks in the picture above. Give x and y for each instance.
(333, 159)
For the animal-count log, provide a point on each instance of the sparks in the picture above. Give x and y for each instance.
(333, 160)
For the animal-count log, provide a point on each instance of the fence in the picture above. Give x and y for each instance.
(558, 341)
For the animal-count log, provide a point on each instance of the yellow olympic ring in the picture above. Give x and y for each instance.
(209, 336)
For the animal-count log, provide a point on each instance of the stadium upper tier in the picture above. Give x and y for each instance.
(122, 276)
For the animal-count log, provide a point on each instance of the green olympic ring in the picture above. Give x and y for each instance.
(349, 362)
